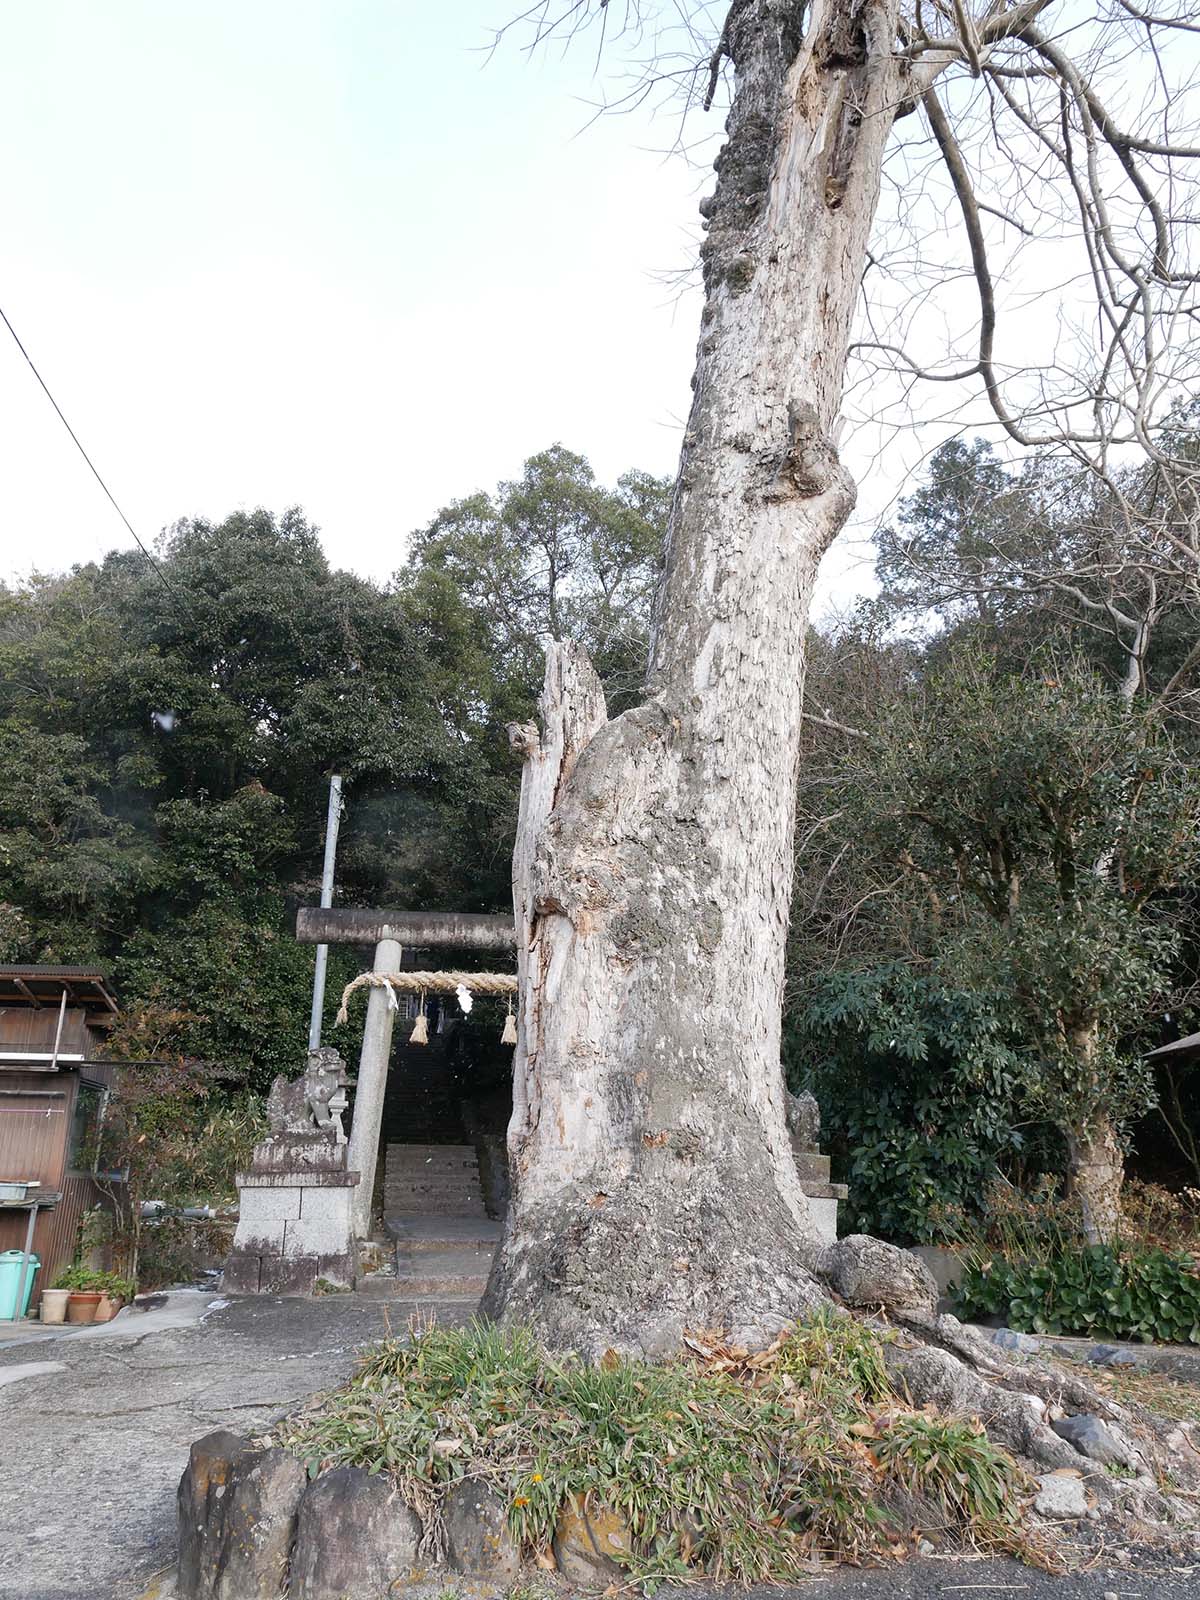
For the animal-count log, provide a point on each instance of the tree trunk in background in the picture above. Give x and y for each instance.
(1095, 1160)
(653, 1183)
(1096, 1165)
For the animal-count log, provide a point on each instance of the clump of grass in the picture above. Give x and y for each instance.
(836, 1360)
(743, 1467)
(952, 1460)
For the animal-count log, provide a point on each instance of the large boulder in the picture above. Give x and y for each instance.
(588, 1539)
(478, 1542)
(202, 1500)
(867, 1273)
(354, 1536)
(237, 1519)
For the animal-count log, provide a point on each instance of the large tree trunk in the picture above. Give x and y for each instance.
(1095, 1160)
(1096, 1165)
(653, 1182)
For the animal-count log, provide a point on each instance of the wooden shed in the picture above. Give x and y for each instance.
(53, 1092)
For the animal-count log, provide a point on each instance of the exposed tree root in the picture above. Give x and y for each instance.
(679, 1266)
(1153, 1494)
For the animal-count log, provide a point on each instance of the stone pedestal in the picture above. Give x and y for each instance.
(294, 1228)
(295, 1221)
(804, 1130)
(823, 1196)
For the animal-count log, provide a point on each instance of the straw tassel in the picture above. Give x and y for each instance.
(509, 1036)
(420, 1033)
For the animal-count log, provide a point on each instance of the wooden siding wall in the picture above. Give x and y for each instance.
(35, 1131)
(35, 1030)
(35, 1124)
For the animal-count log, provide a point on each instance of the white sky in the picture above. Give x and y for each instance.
(327, 253)
(319, 252)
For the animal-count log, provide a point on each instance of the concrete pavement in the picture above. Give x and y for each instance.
(95, 1430)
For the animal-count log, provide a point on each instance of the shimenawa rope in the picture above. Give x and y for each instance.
(426, 982)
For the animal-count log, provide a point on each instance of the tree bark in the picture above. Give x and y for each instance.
(653, 1182)
(1095, 1160)
(1096, 1165)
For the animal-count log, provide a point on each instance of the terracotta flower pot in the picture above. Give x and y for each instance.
(81, 1307)
(107, 1309)
(54, 1305)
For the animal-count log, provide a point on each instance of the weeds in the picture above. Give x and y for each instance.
(1160, 1218)
(836, 1360)
(1038, 1225)
(743, 1467)
(952, 1460)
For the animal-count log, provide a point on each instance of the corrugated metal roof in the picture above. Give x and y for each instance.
(1188, 1046)
(83, 974)
(36, 987)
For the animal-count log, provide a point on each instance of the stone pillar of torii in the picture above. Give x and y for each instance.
(391, 932)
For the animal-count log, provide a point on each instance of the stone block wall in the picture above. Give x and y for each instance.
(294, 1227)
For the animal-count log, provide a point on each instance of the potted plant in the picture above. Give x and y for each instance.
(54, 1304)
(115, 1293)
(87, 1290)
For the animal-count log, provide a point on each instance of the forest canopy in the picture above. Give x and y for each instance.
(164, 749)
(166, 735)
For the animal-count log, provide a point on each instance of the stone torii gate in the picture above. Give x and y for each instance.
(390, 932)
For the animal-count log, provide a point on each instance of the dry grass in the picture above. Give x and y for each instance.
(1156, 1391)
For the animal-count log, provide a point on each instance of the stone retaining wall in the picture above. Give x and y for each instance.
(252, 1526)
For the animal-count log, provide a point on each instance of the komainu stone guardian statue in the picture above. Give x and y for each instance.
(316, 1100)
(803, 1121)
(294, 1223)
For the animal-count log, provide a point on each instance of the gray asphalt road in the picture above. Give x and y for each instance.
(95, 1432)
(996, 1580)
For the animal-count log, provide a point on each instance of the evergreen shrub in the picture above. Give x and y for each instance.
(1149, 1295)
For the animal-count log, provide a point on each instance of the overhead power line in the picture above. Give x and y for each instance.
(91, 464)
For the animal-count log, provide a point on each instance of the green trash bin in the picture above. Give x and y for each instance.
(10, 1279)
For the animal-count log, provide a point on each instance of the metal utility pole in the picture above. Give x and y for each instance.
(332, 819)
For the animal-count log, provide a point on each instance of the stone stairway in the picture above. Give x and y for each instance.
(439, 1258)
(433, 1209)
(824, 1197)
(440, 1180)
(421, 1102)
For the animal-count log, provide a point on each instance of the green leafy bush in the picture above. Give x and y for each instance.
(1148, 1294)
(175, 1135)
(917, 1083)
